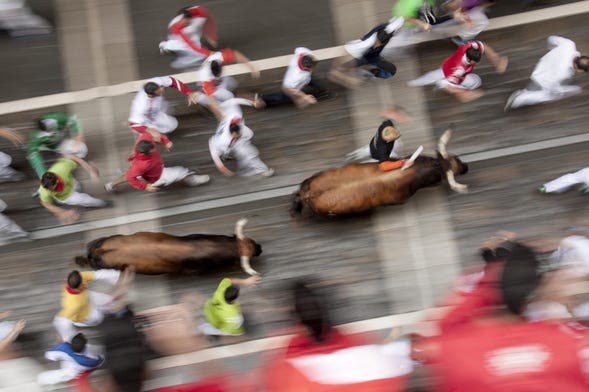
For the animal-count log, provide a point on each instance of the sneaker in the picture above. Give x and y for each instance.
(542, 189)
(268, 173)
(108, 187)
(583, 188)
(510, 100)
(196, 180)
(108, 204)
(259, 103)
(456, 40)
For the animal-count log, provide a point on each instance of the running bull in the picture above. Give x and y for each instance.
(359, 187)
(161, 253)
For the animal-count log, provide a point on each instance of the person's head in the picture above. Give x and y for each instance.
(473, 54)
(582, 64)
(308, 62)
(390, 134)
(145, 147)
(74, 279)
(231, 293)
(47, 124)
(383, 36)
(235, 128)
(185, 13)
(49, 180)
(520, 278)
(153, 89)
(310, 312)
(78, 343)
(216, 68)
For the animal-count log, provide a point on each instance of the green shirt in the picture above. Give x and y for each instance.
(64, 169)
(221, 315)
(67, 127)
(409, 8)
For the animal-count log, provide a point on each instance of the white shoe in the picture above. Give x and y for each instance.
(196, 180)
(511, 99)
(268, 173)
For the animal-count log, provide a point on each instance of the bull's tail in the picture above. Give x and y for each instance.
(244, 259)
(296, 207)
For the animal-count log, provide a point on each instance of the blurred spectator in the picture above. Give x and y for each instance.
(298, 84)
(455, 75)
(148, 109)
(567, 181)
(222, 313)
(233, 139)
(320, 358)
(82, 307)
(8, 228)
(7, 173)
(57, 132)
(366, 51)
(59, 185)
(147, 171)
(472, 13)
(554, 68)
(501, 351)
(75, 357)
(188, 34)
(19, 21)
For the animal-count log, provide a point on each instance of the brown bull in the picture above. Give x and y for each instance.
(360, 187)
(161, 253)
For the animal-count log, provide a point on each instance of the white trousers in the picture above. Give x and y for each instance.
(248, 158)
(83, 200)
(563, 183)
(478, 22)
(163, 122)
(9, 229)
(470, 82)
(171, 175)
(6, 172)
(536, 93)
(99, 304)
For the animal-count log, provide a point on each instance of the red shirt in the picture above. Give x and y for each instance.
(149, 167)
(500, 355)
(456, 67)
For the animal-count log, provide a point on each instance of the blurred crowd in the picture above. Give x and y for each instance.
(516, 321)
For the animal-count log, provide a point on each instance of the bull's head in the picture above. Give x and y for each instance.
(451, 164)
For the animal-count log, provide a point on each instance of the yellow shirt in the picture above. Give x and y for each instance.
(75, 307)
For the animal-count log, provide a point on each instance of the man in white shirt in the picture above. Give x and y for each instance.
(148, 110)
(554, 68)
(233, 138)
(298, 84)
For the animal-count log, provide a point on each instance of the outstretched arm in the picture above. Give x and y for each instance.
(13, 136)
(241, 58)
(499, 62)
(92, 170)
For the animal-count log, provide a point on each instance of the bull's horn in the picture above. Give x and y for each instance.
(239, 228)
(444, 139)
(245, 265)
(409, 162)
(455, 186)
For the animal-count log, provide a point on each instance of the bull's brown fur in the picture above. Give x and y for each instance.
(159, 253)
(359, 187)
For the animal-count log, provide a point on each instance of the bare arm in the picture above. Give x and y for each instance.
(252, 281)
(12, 335)
(499, 62)
(11, 135)
(241, 58)
(419, 23)
(300, 99)
(91, 170)
(64, 216)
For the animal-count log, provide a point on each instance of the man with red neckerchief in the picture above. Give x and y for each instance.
(82, 307)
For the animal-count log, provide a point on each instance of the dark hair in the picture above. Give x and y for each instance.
(145, 147)
(234, 128)
(500, 253)
(41, 124)
(185, 12)
(74, 279)
(308, 61)
(78, 343)
(383, 36)
(231, 293)
(310, 312)
(582, 63)
(48, 180)
(216, 68)
(520, 277)
(150, 88)
(473, 54)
